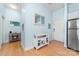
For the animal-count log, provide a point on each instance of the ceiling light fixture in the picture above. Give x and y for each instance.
(13, 6)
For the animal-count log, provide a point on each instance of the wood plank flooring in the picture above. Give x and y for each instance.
(55, 48)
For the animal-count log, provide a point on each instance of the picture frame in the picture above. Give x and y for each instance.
(39, 20)
(49, 26)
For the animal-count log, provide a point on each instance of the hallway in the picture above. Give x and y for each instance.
(55, 48)
(13, 48)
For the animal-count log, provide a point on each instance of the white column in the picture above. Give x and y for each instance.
(65, 22)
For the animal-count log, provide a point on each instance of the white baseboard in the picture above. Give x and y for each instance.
(0, 46)
(59, 40)
(26, 49)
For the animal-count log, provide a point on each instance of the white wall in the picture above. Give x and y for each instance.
(30, 28)
(58, 24)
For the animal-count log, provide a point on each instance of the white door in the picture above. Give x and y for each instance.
(58, 30)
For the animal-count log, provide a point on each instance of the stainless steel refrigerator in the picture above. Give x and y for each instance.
(73, 34)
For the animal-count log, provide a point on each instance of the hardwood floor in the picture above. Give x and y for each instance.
(55, 48)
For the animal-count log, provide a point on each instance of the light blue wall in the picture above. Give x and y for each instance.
(10, 15)
(1, 30)
(30, 28)
(73, 7)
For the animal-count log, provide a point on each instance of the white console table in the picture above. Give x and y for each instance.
(40, 40)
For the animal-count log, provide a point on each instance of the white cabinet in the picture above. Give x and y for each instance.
(40, 40)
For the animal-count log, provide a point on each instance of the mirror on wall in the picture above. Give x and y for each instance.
(15, 23)
(39, 19)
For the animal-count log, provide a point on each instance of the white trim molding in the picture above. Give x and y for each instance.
(65, 21)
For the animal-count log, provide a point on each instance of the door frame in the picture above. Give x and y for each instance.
(1, 20)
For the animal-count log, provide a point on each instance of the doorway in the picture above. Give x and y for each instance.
(58, 30)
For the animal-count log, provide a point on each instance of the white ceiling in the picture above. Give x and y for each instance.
(51, 6)
(16, 6)
(54, 6)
